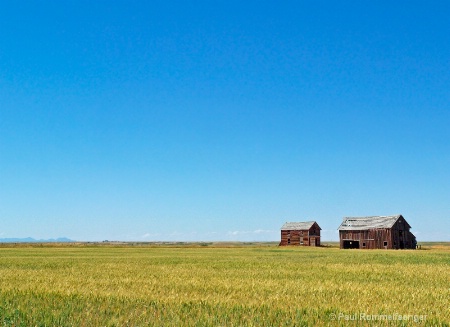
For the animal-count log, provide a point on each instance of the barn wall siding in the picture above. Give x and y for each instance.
(309, 237)
(397, 237)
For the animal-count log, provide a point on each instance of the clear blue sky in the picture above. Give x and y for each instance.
(221, 120)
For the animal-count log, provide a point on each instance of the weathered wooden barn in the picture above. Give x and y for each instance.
(377, 232)
(301, 233)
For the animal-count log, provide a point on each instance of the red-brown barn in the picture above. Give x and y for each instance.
(302, 233)
(377, 232)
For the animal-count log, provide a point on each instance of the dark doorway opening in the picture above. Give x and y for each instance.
(351, 244)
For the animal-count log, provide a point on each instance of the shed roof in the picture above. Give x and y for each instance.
(304, 225)
(364, 223)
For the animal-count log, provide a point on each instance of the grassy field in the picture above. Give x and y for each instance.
(222, 285)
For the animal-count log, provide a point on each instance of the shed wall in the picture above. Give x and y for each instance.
(301, 237)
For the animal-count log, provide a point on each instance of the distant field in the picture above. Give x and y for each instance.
(222, 284)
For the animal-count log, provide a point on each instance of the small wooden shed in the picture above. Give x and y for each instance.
(376, 232)
(300, 233)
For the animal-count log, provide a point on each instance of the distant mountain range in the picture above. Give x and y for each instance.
(32, 240)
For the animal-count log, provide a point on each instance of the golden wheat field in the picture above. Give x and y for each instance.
(220, 285)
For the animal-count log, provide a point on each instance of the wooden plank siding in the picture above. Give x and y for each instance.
(304, 237)
(368, 239)
(396, 237)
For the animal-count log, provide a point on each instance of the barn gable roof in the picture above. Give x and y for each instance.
(305, 225)
(364, 223)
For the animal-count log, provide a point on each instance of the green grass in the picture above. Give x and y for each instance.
(220, 285)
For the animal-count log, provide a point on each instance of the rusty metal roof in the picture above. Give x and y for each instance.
(364, 223)
(305, 225)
